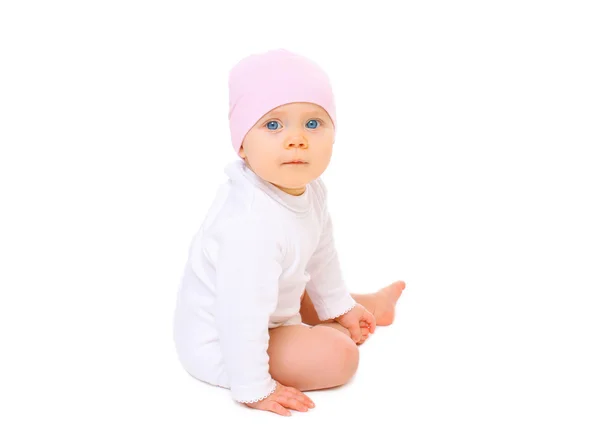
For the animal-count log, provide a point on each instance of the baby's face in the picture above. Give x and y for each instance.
(300, 132)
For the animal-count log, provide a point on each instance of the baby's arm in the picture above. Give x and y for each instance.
(328, 293)
(327, 288)
(247, 273)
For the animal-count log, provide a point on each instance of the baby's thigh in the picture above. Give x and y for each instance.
(311, 358)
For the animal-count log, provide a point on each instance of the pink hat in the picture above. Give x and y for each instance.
(262, 82)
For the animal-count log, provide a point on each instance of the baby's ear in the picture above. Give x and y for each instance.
(241, 153)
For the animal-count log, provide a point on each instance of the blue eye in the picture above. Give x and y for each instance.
(312, 124)
(272, 125)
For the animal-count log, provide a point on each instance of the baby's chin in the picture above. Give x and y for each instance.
(292, 177)
(296, 182)
(291, 184)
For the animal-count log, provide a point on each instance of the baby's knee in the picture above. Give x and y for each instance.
(344, 358)
(350, 358)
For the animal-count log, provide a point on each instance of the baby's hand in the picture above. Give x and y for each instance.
(357, 321)
(283, 398)
(365, 331)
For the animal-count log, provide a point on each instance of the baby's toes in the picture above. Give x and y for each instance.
(363, 339)
(365, 334)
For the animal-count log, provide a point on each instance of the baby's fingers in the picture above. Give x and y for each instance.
(355, 332)
(276, 407)
(291, 402)
(369, 319)
(298, 395)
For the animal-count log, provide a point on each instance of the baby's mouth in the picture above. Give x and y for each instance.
(296, 162)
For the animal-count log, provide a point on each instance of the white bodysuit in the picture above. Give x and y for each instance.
(256, 252)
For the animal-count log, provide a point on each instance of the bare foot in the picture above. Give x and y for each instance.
(365, 332)
(385, 302)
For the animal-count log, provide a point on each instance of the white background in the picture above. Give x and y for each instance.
(466, 164)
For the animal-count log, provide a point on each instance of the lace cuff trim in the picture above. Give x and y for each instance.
(260, 398)
(343, 313)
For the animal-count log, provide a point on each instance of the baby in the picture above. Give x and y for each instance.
(263, 309)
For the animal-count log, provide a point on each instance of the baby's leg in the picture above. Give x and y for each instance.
(311, 358)
(381, 304)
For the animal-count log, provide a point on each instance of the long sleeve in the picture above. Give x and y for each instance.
(326, 287)
(247, 276)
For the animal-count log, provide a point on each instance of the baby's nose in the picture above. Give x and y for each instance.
(297, 142)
